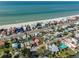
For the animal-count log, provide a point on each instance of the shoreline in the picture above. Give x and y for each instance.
(35, 22)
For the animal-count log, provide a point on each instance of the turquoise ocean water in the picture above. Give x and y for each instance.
(16, 12)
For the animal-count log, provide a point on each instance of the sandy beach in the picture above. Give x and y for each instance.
(35, 22)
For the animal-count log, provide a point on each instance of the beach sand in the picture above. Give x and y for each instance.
(34, 22)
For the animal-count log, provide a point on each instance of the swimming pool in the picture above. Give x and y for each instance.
(63, 46)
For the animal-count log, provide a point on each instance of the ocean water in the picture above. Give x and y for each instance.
(22, 11)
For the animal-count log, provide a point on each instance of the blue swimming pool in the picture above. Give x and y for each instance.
(63, 46)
